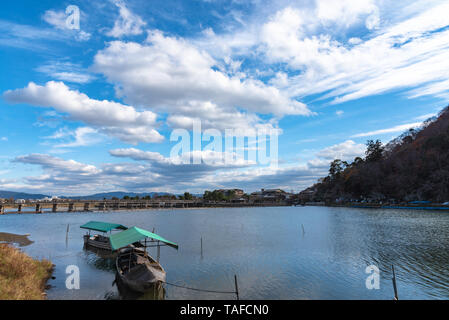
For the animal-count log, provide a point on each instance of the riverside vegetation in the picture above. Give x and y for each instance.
(22, 277)
(414, 166)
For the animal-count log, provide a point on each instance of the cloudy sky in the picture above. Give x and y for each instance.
(92, 109)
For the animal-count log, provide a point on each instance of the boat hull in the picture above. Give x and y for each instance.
(98, 243)
(145, 273)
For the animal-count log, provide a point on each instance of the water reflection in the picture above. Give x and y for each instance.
(157, 292)
(414, 242)
(105, 260)
(11, 238)
(277, 253)
(100, 259)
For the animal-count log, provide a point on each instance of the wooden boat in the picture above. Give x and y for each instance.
(157, 292)
(136, 269)
(99, 241)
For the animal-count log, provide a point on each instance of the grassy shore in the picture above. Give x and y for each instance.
(22, 277)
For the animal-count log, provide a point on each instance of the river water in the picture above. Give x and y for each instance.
(276, 252)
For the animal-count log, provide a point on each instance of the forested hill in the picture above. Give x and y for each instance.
(414, 166)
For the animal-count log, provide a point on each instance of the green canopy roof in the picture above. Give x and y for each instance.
(134, 234)
(102, 226)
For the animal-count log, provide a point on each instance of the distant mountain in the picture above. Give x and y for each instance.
(20, 195)
(117, 194)
(414, 166)
(98, 196)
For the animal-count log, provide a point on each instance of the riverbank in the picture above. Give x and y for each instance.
(108, 206)
(22, 277)
(389, 206)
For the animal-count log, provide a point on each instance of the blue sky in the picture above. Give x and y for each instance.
(92, 109)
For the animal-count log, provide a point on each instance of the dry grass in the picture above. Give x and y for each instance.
(21, 277)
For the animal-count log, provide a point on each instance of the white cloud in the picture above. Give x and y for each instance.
(4, 138)
(406, 48)
(214, 117)
(139, 155)
(127, 23)
(347, 150)
(402, 55)
(204, 160)
(438, 89)
(168, 73)
(155, 173)
(398, 128)
(81, 137)
(29, 37)
(58, 19)
(339, 112)
(111, 118)
(348, 12)
(355, 40)
(426, 116)
(58, 164)
(66, 71)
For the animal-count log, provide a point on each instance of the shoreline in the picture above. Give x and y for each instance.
(22, 277)
(400, 207)
(79, 209)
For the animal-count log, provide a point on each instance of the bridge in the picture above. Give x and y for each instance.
(113, 205)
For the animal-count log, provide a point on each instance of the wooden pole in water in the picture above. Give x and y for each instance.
(67, 233)
(394, 284)
(201, 247)
(236, 287)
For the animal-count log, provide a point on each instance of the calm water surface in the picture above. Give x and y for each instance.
(265, 247)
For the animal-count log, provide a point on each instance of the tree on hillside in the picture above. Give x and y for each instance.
(187, 196)
(414, 166)
(214, 196)
(336, 168)
(374, 150)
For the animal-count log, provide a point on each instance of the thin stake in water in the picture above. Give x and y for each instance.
(394, 284)
(67, 236)
(201, 247)
(236, 287)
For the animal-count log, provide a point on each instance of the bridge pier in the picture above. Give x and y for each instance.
(19, 210)
(102, 206)
(2, 209)
(38, 208)
(86, 206)
(71, 205)
(55, 207)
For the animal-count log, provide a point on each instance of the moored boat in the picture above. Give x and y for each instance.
(100, 241)
(136, 269)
